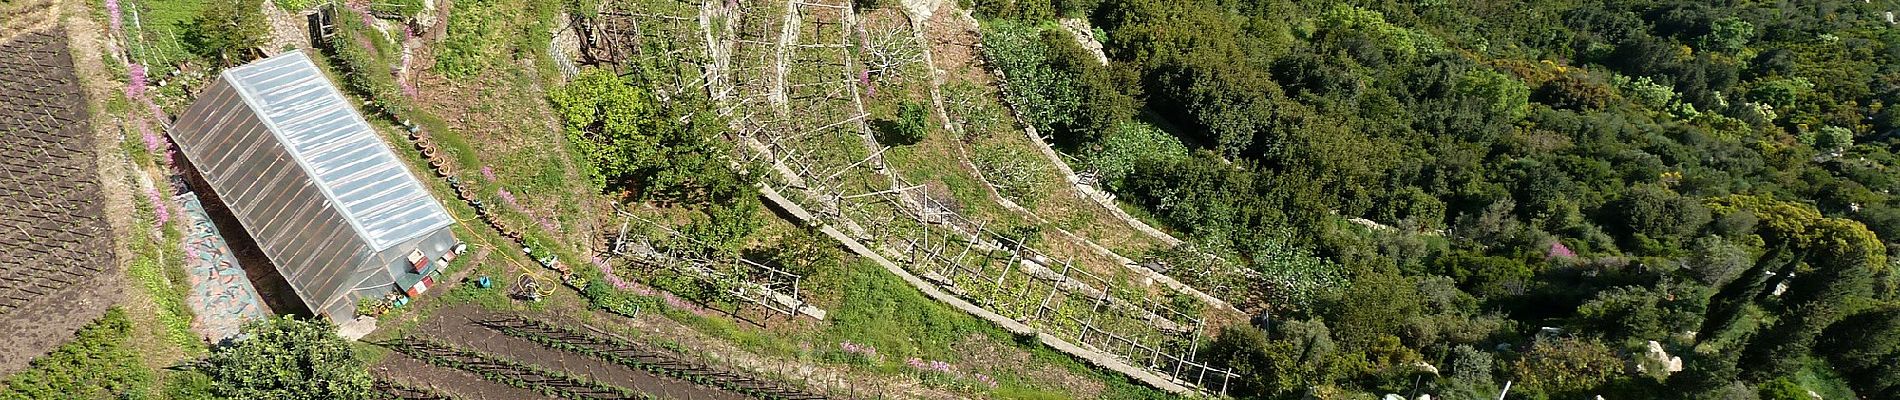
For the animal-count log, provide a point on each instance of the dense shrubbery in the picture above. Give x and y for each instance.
(481, 30)
(288, 358)
(663, 151)
(1707, 177)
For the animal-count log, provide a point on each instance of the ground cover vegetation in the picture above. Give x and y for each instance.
(1434, 183)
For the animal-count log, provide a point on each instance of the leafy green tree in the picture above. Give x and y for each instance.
(1299, 355)
(1566, 367)
(668, 152)
(1471, 375)
(1624, 312)
(1502, 95)
(227, 32)
(1128, 145)
(1728, 34)
(1828, 139)
(610, 122)
(1716, 262)
(910, 126)
(1486, 276)
(1864, 347)
(288, 358)
(804, 252)
(1783, 389)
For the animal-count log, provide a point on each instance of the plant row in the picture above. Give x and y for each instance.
(630, 355)
(393, 390)
(510, 372)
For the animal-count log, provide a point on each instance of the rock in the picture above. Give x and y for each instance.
(1656, 353)
(1426, 367)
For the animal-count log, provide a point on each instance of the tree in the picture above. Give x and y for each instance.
(1660, 213)
(1728, 35)
(610, 122)
(1299, 355)
(910, 126)
(671, 151)
(1576, 92)
(227, 32)
(1470, 375)
(1864, 347)
(1715, 261)
(1828, 139)
(1624, 312)
(804, 252)
(288, 358)
(1566, 367)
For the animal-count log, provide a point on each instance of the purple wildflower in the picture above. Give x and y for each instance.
(866, 351)
(676, 302)
(159, 212)
(986, 380)
(928, 366)
(135, 80)
(112, 11)
(153, 141)
(488, 173)
(1557, 249)
(506, 197)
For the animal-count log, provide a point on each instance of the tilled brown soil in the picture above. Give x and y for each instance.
(56, 249)
(458, 327)
(461, 384)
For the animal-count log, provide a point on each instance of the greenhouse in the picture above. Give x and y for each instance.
(327, 201)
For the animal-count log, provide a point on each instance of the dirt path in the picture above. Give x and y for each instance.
(287, 29)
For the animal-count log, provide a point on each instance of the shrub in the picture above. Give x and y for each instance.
(227, 32)
(288, 358)
(910, 126)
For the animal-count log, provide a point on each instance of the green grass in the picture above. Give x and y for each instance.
(155, 31)
(1824, 381)
(100, 362)
(884, 312)
(161, 274)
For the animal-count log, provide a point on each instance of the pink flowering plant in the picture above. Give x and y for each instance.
(860, 354)
(134, 80)
(938, 371)
(160, 213)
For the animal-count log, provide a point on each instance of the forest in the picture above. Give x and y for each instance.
(1565, 198)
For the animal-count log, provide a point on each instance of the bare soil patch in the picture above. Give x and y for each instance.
(56, 248)
(458, 383)
(459, 326)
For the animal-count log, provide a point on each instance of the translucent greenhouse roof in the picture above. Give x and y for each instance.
(350, 165)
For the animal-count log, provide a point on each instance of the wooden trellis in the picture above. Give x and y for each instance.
(796, 121)
(771, 287)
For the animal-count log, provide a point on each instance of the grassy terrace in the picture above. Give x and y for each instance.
(499, 119)
(820, 141)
